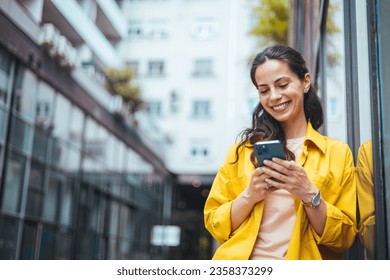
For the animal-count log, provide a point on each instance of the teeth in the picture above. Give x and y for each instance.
(281, 106)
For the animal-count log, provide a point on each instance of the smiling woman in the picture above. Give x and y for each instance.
(254, 212)
(281, 95)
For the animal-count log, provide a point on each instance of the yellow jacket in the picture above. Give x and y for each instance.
(365, 192)
(329, 165)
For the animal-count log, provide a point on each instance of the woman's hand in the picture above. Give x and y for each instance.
(258, 187)
(243, 205)
(290, 176)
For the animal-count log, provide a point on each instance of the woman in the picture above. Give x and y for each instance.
(300, 208)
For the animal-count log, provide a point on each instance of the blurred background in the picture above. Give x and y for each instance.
(115, 115)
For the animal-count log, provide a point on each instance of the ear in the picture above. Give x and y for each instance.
(306, 82)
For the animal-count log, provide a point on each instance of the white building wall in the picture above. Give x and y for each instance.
(227, 88)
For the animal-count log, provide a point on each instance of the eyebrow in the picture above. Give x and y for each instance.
(277, 80)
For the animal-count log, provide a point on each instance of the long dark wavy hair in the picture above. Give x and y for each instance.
(264, 126)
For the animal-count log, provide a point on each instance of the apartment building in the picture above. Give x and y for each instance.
(191, 61)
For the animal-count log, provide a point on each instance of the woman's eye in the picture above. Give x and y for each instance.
(284, 85)
(263, 91)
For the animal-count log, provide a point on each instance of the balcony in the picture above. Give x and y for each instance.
(72, 22)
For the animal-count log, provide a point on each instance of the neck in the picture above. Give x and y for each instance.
(295, 131)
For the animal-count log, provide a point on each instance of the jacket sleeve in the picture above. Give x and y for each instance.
(218, 205)
(340, 227)
(217, 208)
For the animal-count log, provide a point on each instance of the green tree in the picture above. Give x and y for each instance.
(273, 26)
(273, 18)
(119, 82)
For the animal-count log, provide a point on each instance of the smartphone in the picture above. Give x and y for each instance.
(268, 150)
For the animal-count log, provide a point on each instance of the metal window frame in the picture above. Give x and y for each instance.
(381, 240)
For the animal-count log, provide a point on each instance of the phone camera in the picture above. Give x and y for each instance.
(263, 149)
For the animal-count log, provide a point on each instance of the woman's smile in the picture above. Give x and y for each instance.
(281, 107)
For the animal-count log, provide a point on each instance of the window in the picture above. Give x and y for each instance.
(334, 76)
(203, 67)
(76, 127)
(134, 66)
(21, 134)
(154, 109)
(25, 93)
(66, 209)
(333, 110)
(45, 106)
(200, 149)
(158, 33)
(35, 190)
(157, 29)
(135, 30)
(13, 183)
(61, 118)
(156, 68)
(5, 69)
(204, 28)
(27, 251)
(8, 236)
(199, 152)
(201, 109)
(50, 203)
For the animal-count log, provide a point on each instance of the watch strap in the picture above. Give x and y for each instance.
(314, 200)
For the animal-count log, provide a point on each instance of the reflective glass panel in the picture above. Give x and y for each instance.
(76, 127)
(63, 244)
(51, 198)
(383, 10)
(25, 94)
(66, 204)
(8, 236)
(35, 190)
(27, 252)
(47, 245)
(335, 73)
(45, 106)
(13, 183)
(40, 143)
(21, 134)
(5, 69)
(3, 126)
(61, 117)
(93, 147)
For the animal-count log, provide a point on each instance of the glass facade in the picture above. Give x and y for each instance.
(70, 189)
(352, 81)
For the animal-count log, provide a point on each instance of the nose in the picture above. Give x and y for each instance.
(275, 93)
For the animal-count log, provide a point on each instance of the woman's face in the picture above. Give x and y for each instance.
(281, 92)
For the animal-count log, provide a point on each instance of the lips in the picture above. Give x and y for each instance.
(280, 107)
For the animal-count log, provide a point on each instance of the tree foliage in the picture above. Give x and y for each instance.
(273, 26)
(119, 82)
(273, 18)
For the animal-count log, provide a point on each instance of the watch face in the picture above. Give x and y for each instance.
(316, 200)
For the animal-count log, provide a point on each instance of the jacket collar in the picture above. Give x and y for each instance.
(315, 137)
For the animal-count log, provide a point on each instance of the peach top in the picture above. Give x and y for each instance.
(278, 218)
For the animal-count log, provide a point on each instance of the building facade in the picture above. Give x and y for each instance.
(191, 59)
(75, 183)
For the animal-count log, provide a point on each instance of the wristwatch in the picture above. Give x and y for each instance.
(315, 201)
